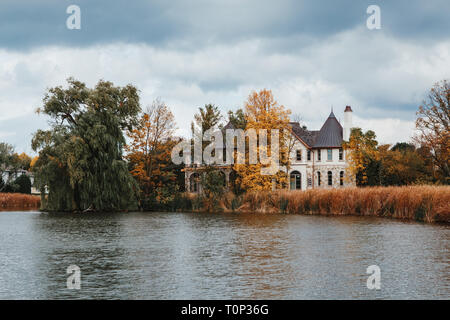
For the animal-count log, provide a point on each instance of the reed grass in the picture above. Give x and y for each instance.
(19, 201)
(421, 203)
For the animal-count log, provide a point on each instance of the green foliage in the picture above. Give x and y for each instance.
(403, 147)
(237, 119)
(375, 165)
(213, 187)
(80, 157)
(8, 165)
(208, 117)
(22, 184)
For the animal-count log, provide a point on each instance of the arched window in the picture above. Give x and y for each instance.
(318, 178)
(193, 182)
(330, 178)
(296, 180)
(341, 178)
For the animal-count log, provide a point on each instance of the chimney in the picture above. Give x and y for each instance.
(347, 122)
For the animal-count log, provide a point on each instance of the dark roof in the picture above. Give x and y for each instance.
(330, 135)
(308, 136)
(229, 125)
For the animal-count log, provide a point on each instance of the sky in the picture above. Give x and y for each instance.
(313, 55)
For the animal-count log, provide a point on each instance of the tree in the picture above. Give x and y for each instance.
(24, 161)
(23, 184)
(262, 111)
(213, 187)
(432, 124)
(237, 119)
(9, 164)
(362, 157)
(80, 157)
(149, 154)
(208, 117)
(401, 165)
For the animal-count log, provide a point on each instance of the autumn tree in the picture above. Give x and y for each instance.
(401, 165)
(362, 156)
(80, 156)
(432, 124)
(149, 153)
(262, 112)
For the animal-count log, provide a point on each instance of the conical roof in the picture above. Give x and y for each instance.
(330, 135)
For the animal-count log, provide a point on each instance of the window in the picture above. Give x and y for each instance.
(309, 155)
(330, 178)
(299, 155)
(341, 178)
(319, 155)
(296, 183)
(330, 154)
(309, 182)
(341, 154)
(318, 178)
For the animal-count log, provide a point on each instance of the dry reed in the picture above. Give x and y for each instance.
(421, 203)
(19, 201)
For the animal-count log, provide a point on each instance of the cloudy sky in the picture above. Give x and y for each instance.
(314, 55)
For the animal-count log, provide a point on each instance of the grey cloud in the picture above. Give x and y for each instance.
(190, 24)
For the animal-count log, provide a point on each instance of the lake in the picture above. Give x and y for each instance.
(220, 256)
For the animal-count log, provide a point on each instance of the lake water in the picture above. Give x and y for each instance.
(220, 256)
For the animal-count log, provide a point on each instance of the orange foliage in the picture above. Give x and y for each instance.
(150, 148)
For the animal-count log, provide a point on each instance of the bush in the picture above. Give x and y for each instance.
(23, 184)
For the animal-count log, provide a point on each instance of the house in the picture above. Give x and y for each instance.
(9, 175)
(317, 157)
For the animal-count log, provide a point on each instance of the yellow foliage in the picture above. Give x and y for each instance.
(262, 111)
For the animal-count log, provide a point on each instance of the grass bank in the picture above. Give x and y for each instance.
(19, 201)
(420, 203)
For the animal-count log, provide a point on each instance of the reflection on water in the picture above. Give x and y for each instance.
(220, 256)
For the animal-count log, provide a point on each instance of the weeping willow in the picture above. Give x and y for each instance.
(80, 157)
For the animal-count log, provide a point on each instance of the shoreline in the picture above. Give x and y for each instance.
(410, 203)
